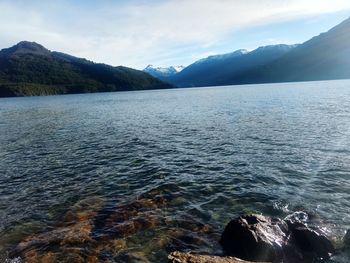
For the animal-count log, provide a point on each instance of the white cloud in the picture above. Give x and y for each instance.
(139, 32)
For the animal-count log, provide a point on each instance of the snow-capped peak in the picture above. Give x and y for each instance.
(163, 71)
(178, 68)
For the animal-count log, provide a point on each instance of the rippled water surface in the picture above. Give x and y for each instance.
(154, 171)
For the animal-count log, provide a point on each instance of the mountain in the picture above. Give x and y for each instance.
(221, 57)
(219, 69)
(30, 69)
(163, 73)
(324, 57)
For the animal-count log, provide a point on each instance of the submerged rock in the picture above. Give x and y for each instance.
(178, 257)
(262, 238)
(95, 230)
(131, 258)
(85, 236)
(66, 242)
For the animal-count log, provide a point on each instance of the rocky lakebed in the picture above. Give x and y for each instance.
(87, 233)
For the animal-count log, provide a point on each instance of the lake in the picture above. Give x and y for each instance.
(149, 172)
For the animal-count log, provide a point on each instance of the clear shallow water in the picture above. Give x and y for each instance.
(208, 153)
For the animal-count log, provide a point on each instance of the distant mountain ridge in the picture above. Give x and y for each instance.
(161, 72)
(29, 68)
(217, 70)
(324, 57)
(221, 57)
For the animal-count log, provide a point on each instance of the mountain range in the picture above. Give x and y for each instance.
(218, 70)
(324, 57)
(28, 69)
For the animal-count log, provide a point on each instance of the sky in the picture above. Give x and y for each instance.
(136, 33)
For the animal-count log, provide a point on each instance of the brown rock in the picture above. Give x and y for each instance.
(178, 257)
(71, 235)
(75, 234)
(87, 230)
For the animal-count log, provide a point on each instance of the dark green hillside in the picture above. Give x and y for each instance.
(29, 69)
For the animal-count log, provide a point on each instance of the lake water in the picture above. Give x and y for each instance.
(150, 172)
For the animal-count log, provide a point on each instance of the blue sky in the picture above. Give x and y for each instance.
(136, 33)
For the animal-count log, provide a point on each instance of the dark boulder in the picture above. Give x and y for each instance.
(311, 243)
(262, 238)
(255, 237)
(346, 240)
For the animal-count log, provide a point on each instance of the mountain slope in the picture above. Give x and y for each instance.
(218, 70)
(324, 57)
(30, 69)
(163, 73)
